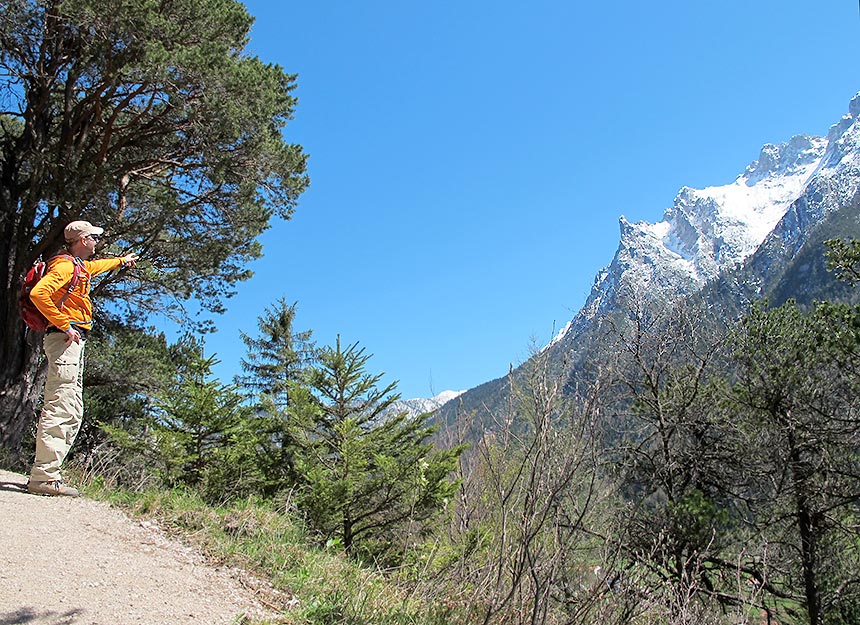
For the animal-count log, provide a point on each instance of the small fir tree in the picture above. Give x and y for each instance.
(277, 356)
(275, 364)
(370, 477)
(201, 429)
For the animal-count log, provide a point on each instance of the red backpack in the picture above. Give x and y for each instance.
(31, 315)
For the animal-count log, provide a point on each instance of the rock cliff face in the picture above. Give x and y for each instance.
(751, 230)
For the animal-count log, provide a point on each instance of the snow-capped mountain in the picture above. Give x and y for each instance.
(707, 231)
(759, 236)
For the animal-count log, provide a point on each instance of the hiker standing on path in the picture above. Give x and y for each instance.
(63, 406)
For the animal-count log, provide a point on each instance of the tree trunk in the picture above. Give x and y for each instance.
(809, 558)
(21, 380)
(22, 367)
(808, 535)
(347, 533)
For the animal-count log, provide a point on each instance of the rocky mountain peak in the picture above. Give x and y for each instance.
(706, 231)
(785, 158)
(837, 130)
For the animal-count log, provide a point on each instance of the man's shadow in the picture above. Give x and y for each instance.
(14, 487)
(30, 615)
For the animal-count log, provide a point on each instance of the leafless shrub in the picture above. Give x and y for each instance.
(524, 541)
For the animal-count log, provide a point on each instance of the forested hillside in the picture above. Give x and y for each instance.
(703, 471)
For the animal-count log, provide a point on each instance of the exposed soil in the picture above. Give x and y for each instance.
(80, 562)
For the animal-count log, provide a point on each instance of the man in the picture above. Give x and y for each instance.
(63, 407)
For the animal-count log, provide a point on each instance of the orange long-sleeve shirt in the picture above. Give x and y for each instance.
(78, 308)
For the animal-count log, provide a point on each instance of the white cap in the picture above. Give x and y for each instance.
(79, 229)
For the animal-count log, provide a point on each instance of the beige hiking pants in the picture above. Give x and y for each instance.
(63, 406)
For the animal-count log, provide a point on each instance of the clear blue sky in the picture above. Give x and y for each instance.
(469, 160)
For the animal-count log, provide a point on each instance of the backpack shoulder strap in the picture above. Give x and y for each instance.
(76, 275)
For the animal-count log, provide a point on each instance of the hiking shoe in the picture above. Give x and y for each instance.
(53, 488)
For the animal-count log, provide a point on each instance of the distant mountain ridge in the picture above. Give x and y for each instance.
(735, 242)
(420, 405)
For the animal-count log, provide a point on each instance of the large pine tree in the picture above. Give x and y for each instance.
(148, 118)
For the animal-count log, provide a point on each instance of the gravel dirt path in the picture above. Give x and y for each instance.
(80, 562)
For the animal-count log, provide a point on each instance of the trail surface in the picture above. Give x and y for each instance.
(80, 562)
